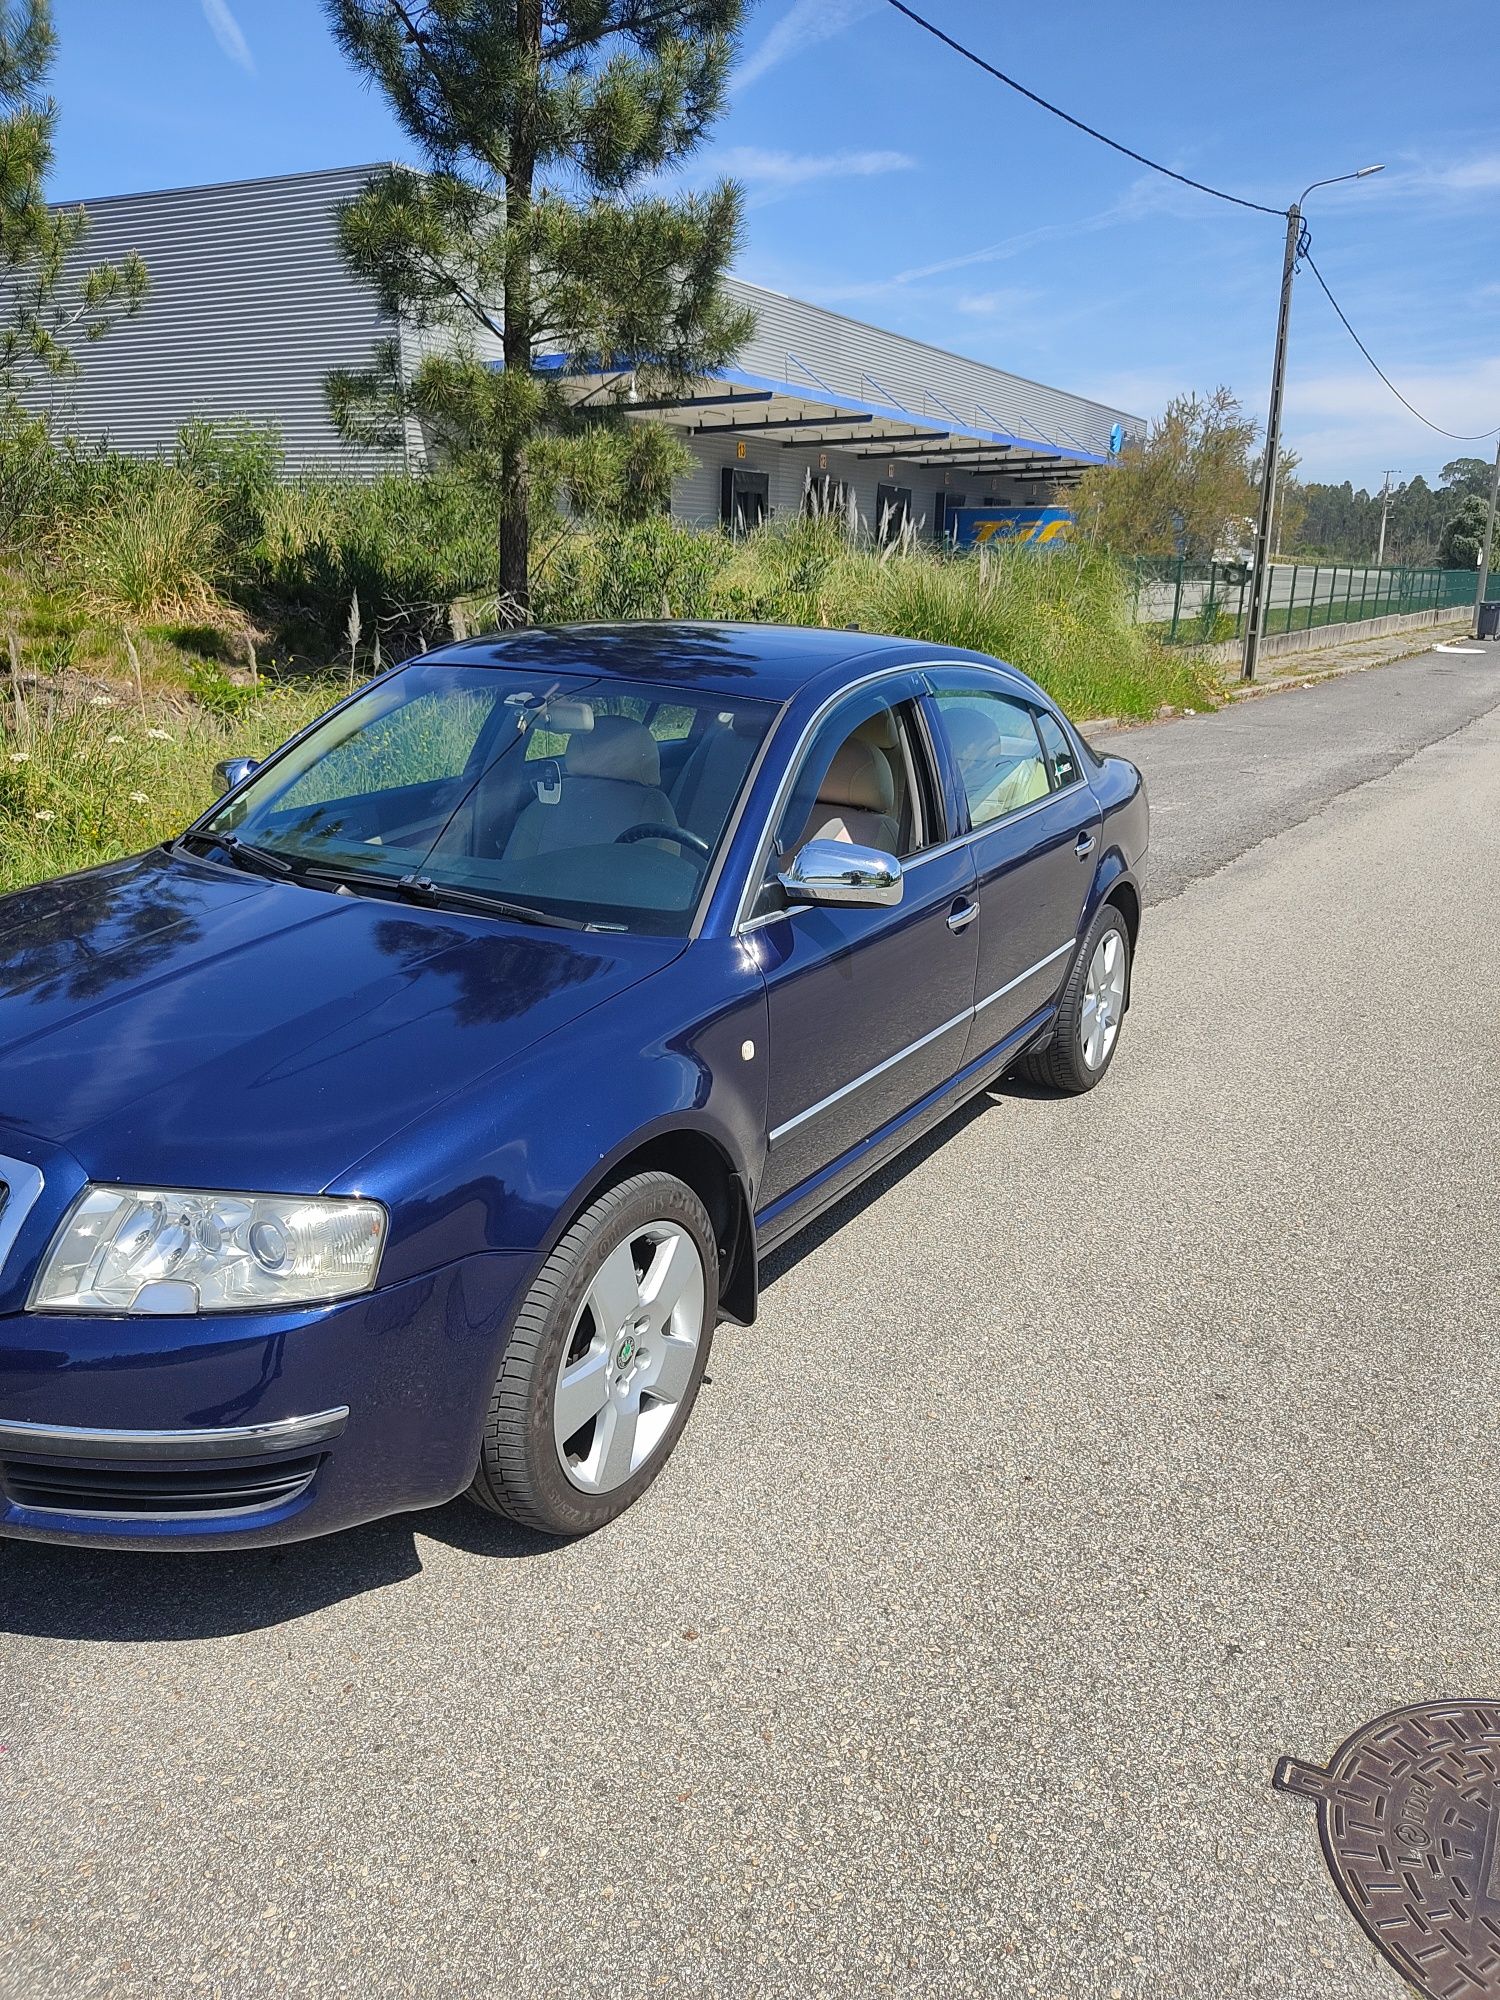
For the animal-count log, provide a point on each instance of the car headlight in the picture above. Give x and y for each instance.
(183, 1250)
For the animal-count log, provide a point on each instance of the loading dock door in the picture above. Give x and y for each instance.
(892, 510)
(744, 498)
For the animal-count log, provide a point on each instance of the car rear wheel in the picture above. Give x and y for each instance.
(604, 1362)
(1086, 1032)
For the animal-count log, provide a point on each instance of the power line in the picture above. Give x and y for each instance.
(1239, 200)
(1077, 123)
(1462, 437)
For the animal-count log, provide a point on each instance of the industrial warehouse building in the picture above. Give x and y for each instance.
(251, 305)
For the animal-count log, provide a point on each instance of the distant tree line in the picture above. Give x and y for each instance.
(1342, 523)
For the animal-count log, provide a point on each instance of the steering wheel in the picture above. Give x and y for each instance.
(648, 830)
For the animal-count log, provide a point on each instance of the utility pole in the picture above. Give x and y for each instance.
(1260, 575)
(1385, 508)
(1489, 537)
(1260, 572)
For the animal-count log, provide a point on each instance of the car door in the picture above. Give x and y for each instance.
(1035, 830)
(868, 1007)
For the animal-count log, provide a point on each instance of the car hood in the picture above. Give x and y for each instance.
(171, 1021)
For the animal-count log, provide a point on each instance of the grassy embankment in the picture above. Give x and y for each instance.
(154, 618)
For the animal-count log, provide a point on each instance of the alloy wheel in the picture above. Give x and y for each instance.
(1103, 1000)
(629, 1357)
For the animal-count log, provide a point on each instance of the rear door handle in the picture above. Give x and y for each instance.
(1083, 845)
(962, 915)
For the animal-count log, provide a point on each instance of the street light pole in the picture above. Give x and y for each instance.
(1260, 573)
(1489, 537)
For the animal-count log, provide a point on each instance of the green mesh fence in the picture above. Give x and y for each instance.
(1199, 604)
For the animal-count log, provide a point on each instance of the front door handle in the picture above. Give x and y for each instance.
(1083, 845)
(962, 915)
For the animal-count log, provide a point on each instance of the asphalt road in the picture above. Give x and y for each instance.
(1107, 1451)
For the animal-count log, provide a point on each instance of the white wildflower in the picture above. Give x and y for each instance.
(117, 738)
(101, 701)
(160, 735)
(139, 799)
(20, 756)
(46, 815)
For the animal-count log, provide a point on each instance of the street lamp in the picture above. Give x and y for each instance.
(1260, 573)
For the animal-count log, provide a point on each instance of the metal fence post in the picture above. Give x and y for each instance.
(1177, 600)
(1312, 602)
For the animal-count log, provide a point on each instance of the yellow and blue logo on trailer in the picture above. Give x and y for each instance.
(1035, 527)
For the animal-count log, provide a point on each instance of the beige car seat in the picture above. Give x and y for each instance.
(611, 780)
(998, 776)
(856, 801)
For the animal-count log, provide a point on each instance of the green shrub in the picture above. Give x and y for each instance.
(29, 480)
(653, 569)
(238, 466)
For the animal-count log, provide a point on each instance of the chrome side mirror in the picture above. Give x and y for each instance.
(833, 871)
(232, 771)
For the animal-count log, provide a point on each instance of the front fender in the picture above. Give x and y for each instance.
(508, 1167)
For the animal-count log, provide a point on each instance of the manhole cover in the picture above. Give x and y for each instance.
(1408, 1811)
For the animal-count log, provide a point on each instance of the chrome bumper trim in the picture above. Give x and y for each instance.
(20, 1439)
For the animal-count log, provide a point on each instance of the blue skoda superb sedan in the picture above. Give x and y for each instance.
(407, 1125)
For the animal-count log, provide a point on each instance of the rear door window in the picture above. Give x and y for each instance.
(996, 750)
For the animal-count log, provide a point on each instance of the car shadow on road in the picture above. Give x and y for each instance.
(787, 1256)
(126, 1597)
(130, 1597)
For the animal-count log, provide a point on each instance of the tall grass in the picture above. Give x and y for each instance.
(159, 556)
(108, 776)
(1062, 616)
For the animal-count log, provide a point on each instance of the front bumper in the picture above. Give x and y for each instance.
(227, 1431)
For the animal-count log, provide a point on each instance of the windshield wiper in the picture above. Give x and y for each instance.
(254, 860)
(422, 889)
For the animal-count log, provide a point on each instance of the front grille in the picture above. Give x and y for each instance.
(155, 1491)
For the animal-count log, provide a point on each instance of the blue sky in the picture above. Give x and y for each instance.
(888, 179)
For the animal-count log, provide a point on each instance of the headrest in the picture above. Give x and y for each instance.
(858, 777)
(616, 747)
(971, 731)
(879, 730)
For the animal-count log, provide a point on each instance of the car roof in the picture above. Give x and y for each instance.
(764, 662)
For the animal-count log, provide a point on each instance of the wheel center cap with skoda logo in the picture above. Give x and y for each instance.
(625, 1352)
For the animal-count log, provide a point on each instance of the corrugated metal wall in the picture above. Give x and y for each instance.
(797, 342)
(250, 305)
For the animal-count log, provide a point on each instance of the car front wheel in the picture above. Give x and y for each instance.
(1087, 1029)
(605, 1360)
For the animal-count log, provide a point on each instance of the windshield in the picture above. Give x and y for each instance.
(573, 798)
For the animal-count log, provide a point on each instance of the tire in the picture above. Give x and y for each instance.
(598, 1341)
(1065, 1062)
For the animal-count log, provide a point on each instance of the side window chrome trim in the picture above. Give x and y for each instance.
(920, 670)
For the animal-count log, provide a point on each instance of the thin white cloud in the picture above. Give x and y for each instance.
(228, 34)
(759, 166)
(1470, 176)
(804, 23)
(1000, 304)
(1144, 199)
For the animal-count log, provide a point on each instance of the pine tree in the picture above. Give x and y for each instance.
(47, 307)
(539, 124)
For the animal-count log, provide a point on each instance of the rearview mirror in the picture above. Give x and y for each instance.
(569, 718)
(834, 871)
(232, 771)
